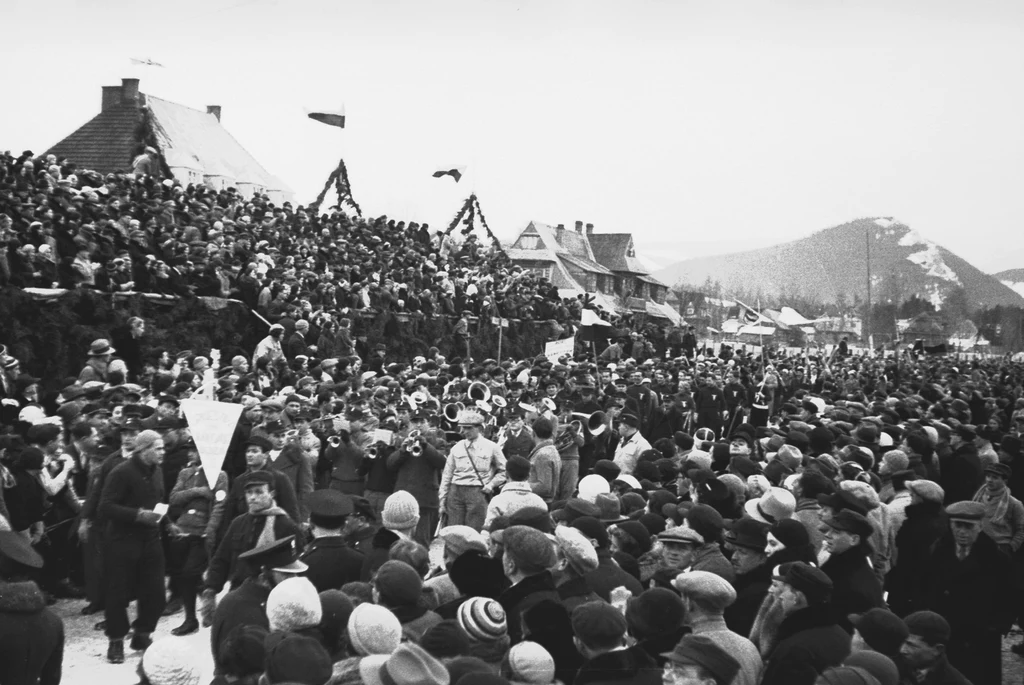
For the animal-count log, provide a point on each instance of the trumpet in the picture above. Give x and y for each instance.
(334, 441)
(373, 452)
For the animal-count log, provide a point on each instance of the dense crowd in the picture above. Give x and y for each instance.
(653, 512)
(65, 227)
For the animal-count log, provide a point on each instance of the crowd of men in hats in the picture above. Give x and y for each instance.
(690, 519)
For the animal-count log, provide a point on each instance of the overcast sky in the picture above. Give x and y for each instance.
(702, 127)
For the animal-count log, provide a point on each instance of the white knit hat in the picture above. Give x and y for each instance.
(528, 662)
(294, 604)
(170, 661)
(372, 629)
(401, 511)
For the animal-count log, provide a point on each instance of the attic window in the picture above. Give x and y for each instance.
(529, 242)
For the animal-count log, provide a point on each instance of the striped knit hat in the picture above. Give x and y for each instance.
(483, 619)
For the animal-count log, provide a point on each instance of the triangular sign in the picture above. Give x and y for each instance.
(212, 425)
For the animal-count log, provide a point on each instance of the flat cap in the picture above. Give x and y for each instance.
(966, 511)
(999, 469)
(928, 490)
(850, 521)
(701, 650)
(680, 536)
(577, 549)
(706, 587)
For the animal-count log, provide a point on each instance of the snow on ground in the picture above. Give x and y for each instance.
(912, 238)
(1016, 286)
(930, 259)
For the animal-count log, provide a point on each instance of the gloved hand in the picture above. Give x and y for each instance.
(148, 518)
(208, 603)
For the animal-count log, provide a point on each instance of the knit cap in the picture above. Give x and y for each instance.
(483, 619)
(294, 604)
(446, 640)
(893, 461)
(398, 583)
(401, 511)
(372, 629)
(169, 661)
(528, 662)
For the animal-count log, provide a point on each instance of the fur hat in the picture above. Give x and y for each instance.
(170, 661)
(294, 604)
(373, 629)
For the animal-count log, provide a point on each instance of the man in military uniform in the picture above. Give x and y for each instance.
(269, 565)
(331, 562)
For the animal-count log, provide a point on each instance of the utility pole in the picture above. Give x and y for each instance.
(867, 317)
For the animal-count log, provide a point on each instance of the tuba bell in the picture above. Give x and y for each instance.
(452, 411)
(479, 392)
(596, 424)
(499, 401)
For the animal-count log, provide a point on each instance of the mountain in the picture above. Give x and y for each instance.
(833, 261)
(1013, 279)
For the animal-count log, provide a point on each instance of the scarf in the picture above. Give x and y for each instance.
(267, 534)
(995, 505)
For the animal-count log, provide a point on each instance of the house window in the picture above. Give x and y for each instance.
(618, 285)
(529, 242)
(542, 271)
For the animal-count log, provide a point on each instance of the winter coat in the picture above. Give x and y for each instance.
(974, 595)
(809, 641)
(608, 575)
(345, 460)
(751, 589)
(574, 592)
(31, 637)
(545, 468)
(245, 606)
(520, 597)
(331, 563)
(235, 505)
(633, 666)
(855, 589)
(709, 558)
(514, 495)
(378, 552)
(419, 476)
(808, 512)
(241, 537)
(962, 473)
(298, 467)
(925, 524)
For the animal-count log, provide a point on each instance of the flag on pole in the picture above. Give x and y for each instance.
(212, 425)
(454, 172)
(593, 327)
(753, 317)
(331, 118)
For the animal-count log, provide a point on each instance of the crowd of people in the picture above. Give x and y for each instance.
(65, 227)
(693, 517)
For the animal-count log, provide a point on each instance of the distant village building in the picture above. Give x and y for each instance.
(601, 264)
(193, 144)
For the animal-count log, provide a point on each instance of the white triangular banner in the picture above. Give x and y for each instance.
(212, 425)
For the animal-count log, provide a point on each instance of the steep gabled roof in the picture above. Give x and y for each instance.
(106, 143)
(191, 134)
(610, 249)
(585, 264)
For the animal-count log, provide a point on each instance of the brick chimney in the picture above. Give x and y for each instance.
(214, 110)
(129, 89)
(560, 227)
(590, 229)
(579, 227)
(111, 97)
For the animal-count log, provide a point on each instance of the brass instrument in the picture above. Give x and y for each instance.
(452, 410)
(595, 422)
(334, 441)
(499, 401)
(372, 452)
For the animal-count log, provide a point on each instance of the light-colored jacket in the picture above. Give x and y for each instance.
(514, 496)
(479, 463)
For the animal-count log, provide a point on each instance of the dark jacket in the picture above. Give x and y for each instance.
(925, 525)
(245, 606)
(608, 575)
(241, 537)
(378, 552)
(633, 666)
(332, 563)
(419, 476)
(131, 486)
(751, 589)
(809, 641)
(234, 505)
(523, 595)
(961, 473)
(943, 673)
(855, 588)
(663, 643)
(379, 478)
(31, 637)
(574, 592)
(293, 463)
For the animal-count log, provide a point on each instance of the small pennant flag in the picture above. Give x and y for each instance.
(145, 62)
(592, 326)
(751, 316)
(455, 172)
(332, 118)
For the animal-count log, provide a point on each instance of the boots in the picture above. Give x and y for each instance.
(115, 652)
(190, 626)
(141, 641)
